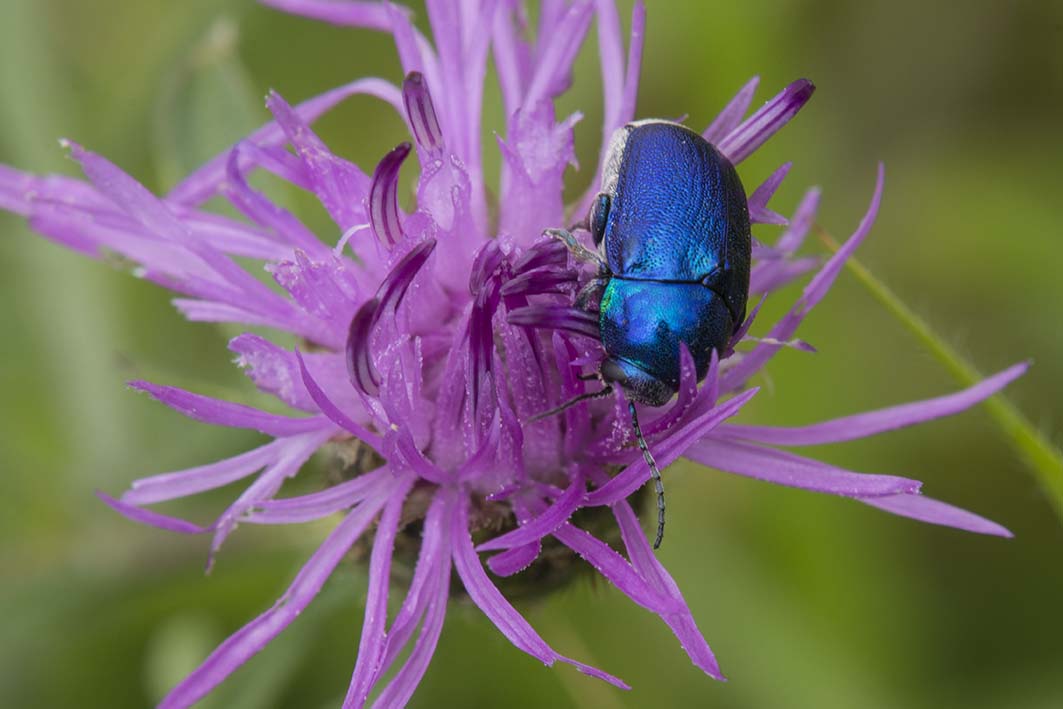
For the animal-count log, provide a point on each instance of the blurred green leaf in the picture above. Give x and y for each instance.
(206, 103)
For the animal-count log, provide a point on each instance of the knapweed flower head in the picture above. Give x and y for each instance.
(431, 340)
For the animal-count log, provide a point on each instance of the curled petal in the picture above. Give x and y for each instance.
(389, 296)
(421, 113)
(360, 367)
(540, 281)
(383, 199)
(545, 252)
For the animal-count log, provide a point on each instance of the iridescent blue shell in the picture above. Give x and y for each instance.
(674, 224)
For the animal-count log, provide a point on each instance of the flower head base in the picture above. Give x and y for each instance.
(435, 339)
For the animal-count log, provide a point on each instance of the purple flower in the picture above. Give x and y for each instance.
(431, 339)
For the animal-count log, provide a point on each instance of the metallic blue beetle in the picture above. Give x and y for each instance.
(673, 221)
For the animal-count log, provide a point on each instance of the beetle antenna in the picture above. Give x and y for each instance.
(573, 401)
(657, 483)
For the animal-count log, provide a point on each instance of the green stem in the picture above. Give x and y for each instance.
(1043, 459)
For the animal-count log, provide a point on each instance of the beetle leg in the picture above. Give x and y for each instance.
(578, 250)
(591, 292)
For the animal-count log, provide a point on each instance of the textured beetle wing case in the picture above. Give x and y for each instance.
(678, 208)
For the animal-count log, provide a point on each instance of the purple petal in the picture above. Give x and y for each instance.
(634, 62)
(433, 558)
(205, 181)
(225, 413)
(783, 468)
(615, 568)
(16, 188)
(611, 60)
(272, 368)
(182, 483)
(553, 70)
(511, 60)
(514, 560)
(801, 222)
(129, 194)
(646, 564)
(926, 509)
(403, 685)
(158, 219)
(296, 452)
(315, 505)
(254, 636)
(665, 452)
(338, 184)
(494, 605)
(371, 643)
(812, 294)
(347, 13)
(687, 391)
(540, 281)
(732, 113)
(332, 411)
(543, 524)
(873, 422)
(740, 143)
(152, 519)
(770, 276)
(256, 207)
(392, 290)
(758, 201)
(556, 317)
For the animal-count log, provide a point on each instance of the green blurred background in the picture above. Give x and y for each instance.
(808, 601)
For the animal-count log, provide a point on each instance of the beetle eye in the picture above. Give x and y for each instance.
(599, 214)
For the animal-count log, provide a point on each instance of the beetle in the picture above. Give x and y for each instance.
(673, 222)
